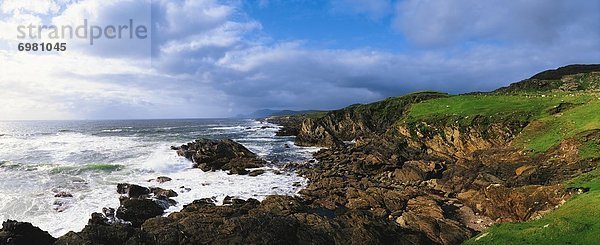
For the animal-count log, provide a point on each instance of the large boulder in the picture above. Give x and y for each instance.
(141, 203)
(100, 231)
(226, 154)
(14, 232)
(137, 211)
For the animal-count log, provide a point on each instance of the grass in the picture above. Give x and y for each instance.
(550, 130)
(544, 131)
(381, 114)
(315, 115)
(590, 149)
(490, 105)
(575, 222)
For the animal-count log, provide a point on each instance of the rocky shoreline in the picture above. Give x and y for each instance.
(382, 179)
(360, 193)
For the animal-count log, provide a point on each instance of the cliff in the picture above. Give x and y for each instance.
(423, 168)
(501, 156)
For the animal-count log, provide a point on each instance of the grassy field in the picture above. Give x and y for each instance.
(550, 130)
(545, 130)
(575, 222)
(491, 105)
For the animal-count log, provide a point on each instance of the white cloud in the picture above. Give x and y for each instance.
(433, 23)
(35, 7)
(211, 59)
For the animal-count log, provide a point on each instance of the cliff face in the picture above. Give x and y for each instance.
(451, 168)
(357, 121)
(456, 142)
(424, 168)
(457, 138)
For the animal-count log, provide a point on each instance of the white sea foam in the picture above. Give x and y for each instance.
(228, 128)
(34, 167)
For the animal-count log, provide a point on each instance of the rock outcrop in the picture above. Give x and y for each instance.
(568, 78)
(277, 220)
(14, 232)
(383, 179)
(357, 121)
(450, 139)
(211, 155)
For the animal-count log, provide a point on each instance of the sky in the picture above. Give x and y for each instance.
(211, 58)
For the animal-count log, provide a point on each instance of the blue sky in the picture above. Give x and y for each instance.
(218, 58)
(324, 24)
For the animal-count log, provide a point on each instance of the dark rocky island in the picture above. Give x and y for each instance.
(424, 168)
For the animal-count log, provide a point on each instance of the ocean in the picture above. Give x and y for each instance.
(39, 159)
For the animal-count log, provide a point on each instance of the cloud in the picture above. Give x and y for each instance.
(35, 7)
(432, 23)
(210, 58)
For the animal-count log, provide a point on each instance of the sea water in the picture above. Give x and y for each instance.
(39, 159)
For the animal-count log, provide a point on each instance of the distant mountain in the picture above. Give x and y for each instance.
(269, 113)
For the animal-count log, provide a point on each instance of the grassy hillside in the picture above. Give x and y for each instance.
(556, 109)
(381, 114)
(552, 121)
(575, 222)
(550, 130)
(540, 113)
(568, 78)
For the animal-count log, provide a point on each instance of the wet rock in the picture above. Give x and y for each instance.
(137, 211)
(98, 232)
(227, 200)
(238, 171)
(132, 190)
(14, 232)
(60, 205)
(63, 194)
(160, 192)
(256, 172)
(162, 179)
(211, 155)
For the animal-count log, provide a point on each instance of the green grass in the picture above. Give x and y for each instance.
(575, 222)
(590, 149)
(315, 115)
(550, 130)
(381, 114)
(545, 131)
(490, 105)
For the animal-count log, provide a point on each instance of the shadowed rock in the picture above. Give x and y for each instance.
(14, 232)
(211, 155)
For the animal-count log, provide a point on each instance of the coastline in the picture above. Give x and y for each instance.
(423, 168)
(317, 206)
